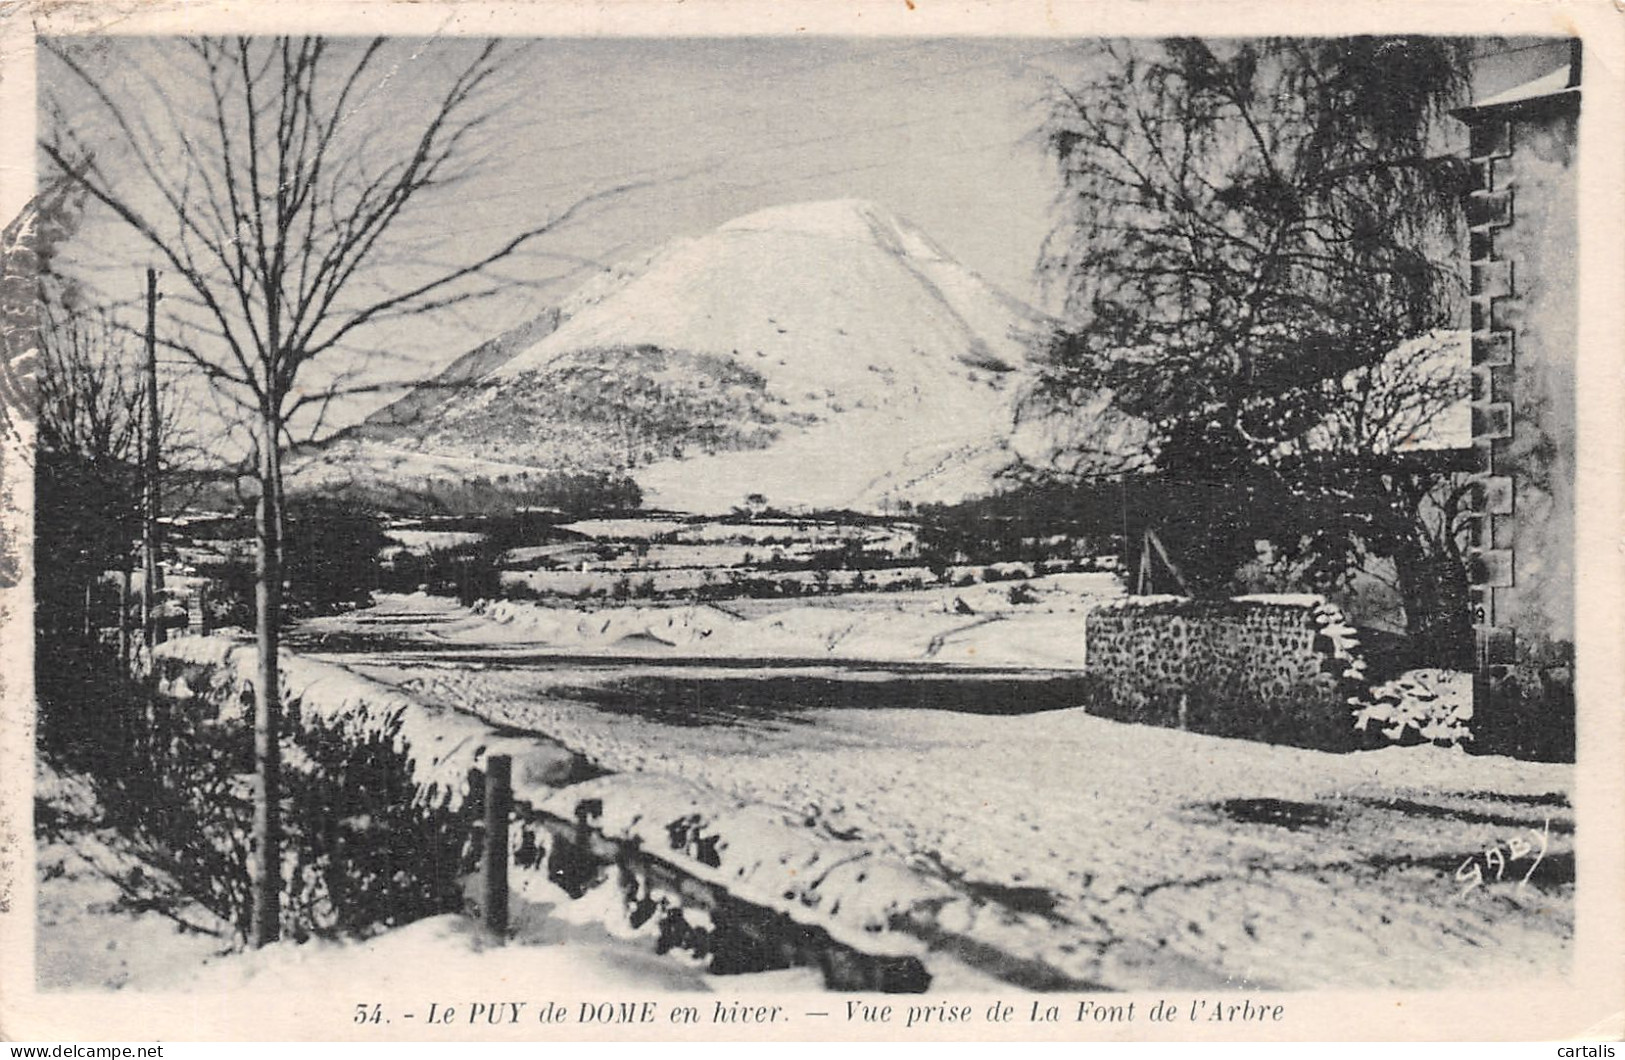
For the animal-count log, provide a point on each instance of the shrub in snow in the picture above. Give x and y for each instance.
(1023, 594)
(1431, 705)
(173, 780)
(368, 851)
(373, 838)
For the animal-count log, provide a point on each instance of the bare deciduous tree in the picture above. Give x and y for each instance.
(291, 211)
(90, 391)
(86, 461)
(86, 405)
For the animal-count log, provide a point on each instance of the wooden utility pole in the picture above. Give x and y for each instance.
(152, 578)
(498, 807)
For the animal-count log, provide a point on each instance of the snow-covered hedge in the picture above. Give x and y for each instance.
(377, 832)
(1280, 668)
(742, 884)
(442, 747)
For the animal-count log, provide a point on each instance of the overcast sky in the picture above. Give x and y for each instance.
(938, 131)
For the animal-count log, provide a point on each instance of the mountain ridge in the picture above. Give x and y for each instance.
(827, 355)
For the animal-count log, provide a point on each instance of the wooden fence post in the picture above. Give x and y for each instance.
(498, 805)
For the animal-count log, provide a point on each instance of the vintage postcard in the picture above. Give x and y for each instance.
(886, 521)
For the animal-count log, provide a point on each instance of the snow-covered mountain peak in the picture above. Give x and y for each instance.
(849, 220)
(828, 354)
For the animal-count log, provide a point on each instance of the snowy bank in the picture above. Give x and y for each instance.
(651, 843)
(1012, 638)
(443, 746)
(458, 949)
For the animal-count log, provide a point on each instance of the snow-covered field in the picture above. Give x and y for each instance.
(628, 579)
(978, 625)
(1115, 854)
(422, 541)
(936, 737)
(876, 633)
(746, 562)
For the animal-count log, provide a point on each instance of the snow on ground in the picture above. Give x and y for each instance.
(634, 529)
(978, 625)
(1020, 639)
(106, 919)
(444, 745)
(457, 949)
(605, 580)
(890, 537)
(647, 558)
(423, 541)
(1125, 855)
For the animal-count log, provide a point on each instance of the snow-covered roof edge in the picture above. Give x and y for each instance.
(1561, 84)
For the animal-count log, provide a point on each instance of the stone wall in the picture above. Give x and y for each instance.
(1276, 668)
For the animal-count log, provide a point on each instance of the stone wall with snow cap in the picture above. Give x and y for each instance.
(1278, 668)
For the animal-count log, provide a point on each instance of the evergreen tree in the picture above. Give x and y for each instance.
(1250, 233)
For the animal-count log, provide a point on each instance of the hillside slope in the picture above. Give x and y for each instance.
(822, 354)
(407, 414)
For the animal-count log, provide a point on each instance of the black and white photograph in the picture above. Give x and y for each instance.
(1002, 531)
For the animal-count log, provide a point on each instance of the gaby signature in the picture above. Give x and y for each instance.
(1474, 872)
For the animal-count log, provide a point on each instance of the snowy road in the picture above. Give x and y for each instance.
(1129, 856)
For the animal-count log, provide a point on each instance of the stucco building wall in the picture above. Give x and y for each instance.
(1521, 216)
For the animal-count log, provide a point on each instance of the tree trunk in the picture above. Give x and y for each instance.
(267, 880)
(1437, 620)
